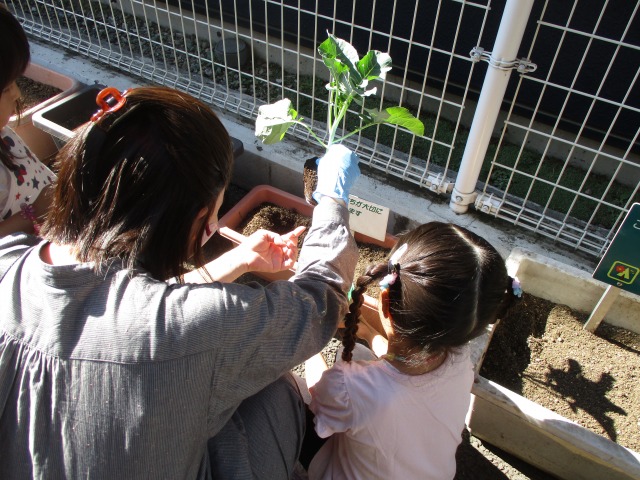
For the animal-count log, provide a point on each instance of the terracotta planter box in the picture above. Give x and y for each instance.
(41, 143)
(266, 193)
(532, 432)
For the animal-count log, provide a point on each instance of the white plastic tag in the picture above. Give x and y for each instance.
(368, 218)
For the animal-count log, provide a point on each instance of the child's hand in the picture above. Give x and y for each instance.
(268, 252)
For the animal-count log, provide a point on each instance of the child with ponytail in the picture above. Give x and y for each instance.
(402, 415)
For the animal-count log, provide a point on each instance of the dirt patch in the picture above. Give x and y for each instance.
(33, 93)
(310, 179)
(541, 352)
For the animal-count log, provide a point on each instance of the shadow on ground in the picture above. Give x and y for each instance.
(477, 460)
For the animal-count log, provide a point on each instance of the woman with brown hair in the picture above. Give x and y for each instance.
(111, 369)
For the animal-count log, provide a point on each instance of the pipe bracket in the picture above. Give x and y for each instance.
(522, 65)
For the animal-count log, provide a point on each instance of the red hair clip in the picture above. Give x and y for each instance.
(109, 100)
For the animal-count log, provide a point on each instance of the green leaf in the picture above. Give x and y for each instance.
(274, 120)
(374, 65)
(395, 116)
(338, 72)
(334, 48)
(341, 58)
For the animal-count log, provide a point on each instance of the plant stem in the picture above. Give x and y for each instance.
(318, 139)
(357, 130)
(338, 118)
(330, 113)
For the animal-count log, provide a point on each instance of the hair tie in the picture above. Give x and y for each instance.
(394, 267)
(109, 100)
(516, 287)
(390, 278)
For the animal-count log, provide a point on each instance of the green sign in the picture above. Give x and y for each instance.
(620, 265)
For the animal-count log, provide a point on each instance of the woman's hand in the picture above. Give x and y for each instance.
(268, 252)
(262, 251)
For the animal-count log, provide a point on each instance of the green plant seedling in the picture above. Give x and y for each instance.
(349, 80)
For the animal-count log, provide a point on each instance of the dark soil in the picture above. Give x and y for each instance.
(282, 220)
(34, 93)
(78, 118)
(310, 179)
(541, 352)
(277, 219)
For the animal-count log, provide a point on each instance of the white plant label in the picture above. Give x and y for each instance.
(368, 218)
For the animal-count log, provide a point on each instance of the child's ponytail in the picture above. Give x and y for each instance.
(352, 318)
(351, 322)
(445, 285)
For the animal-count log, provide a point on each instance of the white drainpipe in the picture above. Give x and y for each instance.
(501, 62)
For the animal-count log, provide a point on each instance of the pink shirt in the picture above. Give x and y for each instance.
(24, 184)
(385, 424)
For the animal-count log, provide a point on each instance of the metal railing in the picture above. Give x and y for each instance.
(569, 167)
(562, 160)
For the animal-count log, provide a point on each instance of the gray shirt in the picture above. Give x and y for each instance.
(119, 375)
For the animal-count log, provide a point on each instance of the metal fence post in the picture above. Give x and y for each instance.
(501, 62)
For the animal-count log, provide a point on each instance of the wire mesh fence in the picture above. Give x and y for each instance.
(564, 159)
(568, 164)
